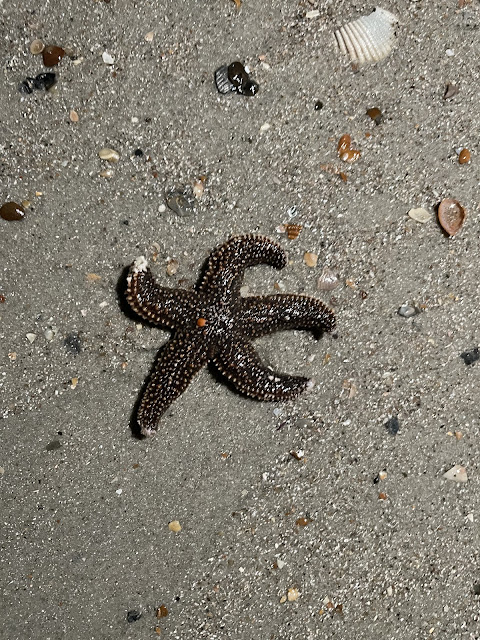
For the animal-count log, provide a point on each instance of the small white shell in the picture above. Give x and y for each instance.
(369, 38)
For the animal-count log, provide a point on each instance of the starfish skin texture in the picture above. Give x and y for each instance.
(214, 323)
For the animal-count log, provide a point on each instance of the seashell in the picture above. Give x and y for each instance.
(420, 215)
(293, 230)
(369, 38)
(328, 280)
(456, 473)
(451, 216)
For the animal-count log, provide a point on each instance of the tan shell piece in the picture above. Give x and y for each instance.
(369, 38)
(451, 216)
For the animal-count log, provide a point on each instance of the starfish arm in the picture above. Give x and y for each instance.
(177, 363)
(159, 305)
(261, 315)
(225, 268)
(238, 361)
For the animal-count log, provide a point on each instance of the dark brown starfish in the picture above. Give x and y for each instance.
(215, 323)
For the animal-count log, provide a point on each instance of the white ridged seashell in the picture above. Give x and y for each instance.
(369, 38)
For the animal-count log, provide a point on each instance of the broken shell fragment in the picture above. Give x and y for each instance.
(369, 38)
(456, 473)
(464, 156)
(109, 154)
(420, 215)
(235, 78)
(451, 216)
(344, 144)
(293, 230)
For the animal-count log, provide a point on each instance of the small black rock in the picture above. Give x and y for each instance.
(392, 425)
(138, 153)
(133, 615)
(318, 105)
(469, 357)
(73, 343)
(476, 589)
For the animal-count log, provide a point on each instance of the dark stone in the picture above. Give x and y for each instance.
(476, 589)
(133, 615)
(138, 153)
(73, 343)
(392, 425)
(318, 105)
(469, 357)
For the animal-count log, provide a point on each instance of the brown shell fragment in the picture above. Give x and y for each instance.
(344, 143)
(52, 55)
(12, 211)
(451, 216)
(464, 156)
(293, 230)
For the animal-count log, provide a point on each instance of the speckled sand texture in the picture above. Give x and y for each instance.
(325, 518)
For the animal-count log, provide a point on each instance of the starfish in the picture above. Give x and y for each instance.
(214, 323)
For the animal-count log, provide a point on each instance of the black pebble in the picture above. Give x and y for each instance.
(133, 615)
(392, 425)
(469, 357)
(318, 105)
(476, 589)
(73, 343)
(54, 444)
(138, 153)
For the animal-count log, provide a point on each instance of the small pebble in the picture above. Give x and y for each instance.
(149, 36)
(36, 47)
(74, 382)
(312, 14)
(73, 116)
(12, 211)
(406, 311)
(450, 53)
(133, 615)
(73, 343)
(106, 173)
(318, 105)
(49, 335)
(31, 337)
(456, 473)
(52, 55)
(172, 267)
(469, 357)
(392, 425)
(107, 58)
(109, 154)
(174, 526)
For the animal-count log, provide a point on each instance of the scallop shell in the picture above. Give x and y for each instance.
(369, 38)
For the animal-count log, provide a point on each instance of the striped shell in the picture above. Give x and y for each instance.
(369, 38)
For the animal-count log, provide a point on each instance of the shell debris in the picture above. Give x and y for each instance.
(369, 38)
